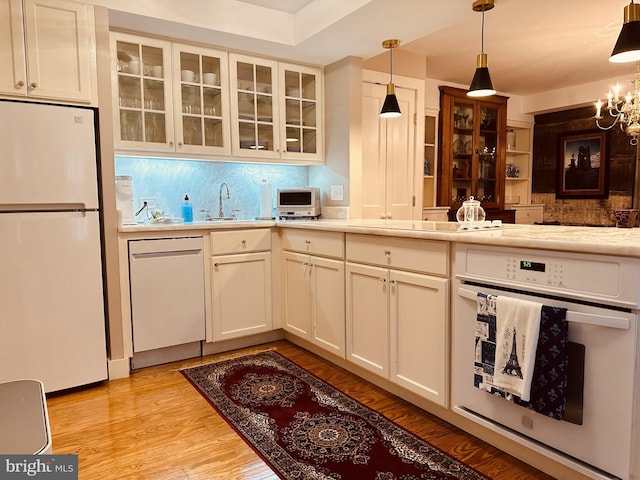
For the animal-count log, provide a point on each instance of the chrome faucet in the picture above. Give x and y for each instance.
(224, 184)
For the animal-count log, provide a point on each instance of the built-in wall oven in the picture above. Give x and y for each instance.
(601, 436)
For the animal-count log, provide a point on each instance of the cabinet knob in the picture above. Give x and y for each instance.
(392, 283)
(383, 280)
(244, 243)
(33, 85)
(19, 84)
(171, 144)
(387, 253)
(180, 144)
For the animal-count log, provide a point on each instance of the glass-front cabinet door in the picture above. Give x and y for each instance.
(471, 159)
(142, 100)
(301, 93)
(254, 107)
(487, 151)
(201, 100)
(462, 152)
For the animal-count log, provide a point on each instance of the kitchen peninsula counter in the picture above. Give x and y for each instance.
(599, 240)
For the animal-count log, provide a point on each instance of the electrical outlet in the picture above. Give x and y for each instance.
(151, 201)
(337, 192)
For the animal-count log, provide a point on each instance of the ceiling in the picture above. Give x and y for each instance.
(532, 46)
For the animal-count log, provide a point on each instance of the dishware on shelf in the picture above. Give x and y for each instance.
(512, 170)
(511, 139)
(188, 76)
(134, 67)
(210, 78)
(156, 71)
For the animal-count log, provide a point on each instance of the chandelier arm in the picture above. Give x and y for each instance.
(605, 127)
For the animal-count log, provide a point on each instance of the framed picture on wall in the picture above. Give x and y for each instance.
(582, 165)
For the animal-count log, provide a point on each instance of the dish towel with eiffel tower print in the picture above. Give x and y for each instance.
(517, 330)
(549, 384)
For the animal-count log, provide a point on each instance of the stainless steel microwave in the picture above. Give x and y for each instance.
(298, 202)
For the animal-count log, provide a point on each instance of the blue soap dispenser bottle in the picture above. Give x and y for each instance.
(187, 210)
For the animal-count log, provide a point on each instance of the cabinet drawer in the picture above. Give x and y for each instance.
(328, 244)
(240, 241)
(426, 256)
(529, 215)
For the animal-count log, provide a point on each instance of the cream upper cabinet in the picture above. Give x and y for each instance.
(170, 97)
(197, 102)
(142, 93)
(276, 109)
(201, 100)
(392, 164)
(254, 106)
(301, 132)
(45, 49)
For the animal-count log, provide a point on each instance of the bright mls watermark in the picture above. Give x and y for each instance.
(50, 467)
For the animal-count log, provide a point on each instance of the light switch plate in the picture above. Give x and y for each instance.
(337, 192)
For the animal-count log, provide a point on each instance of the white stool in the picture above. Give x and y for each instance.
(24, 422)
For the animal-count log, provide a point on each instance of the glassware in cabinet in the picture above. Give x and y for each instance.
(301, 111)
(201, 101)
(253, 83)
(142, 93)
(301, 94)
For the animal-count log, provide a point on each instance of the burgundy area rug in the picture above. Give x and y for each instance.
(304, 428)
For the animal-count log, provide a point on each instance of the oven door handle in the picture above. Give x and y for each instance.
(577, 317)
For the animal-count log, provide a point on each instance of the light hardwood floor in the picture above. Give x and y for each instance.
(154, 425)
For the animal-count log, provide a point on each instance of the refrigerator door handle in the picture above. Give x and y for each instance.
(44, 207)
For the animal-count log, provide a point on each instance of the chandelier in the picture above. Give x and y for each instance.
(623, 111)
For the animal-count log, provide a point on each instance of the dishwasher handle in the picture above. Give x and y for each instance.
(168, 253)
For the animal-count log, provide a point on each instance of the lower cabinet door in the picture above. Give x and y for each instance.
(419, 336)
(314, 300)
(367, 302)
(327, 292)
(297, 291)
(241, 295)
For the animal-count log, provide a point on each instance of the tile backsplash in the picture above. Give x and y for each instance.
(169, 180)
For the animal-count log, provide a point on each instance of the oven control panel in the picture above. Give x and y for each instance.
(523, 270)
(582, 275)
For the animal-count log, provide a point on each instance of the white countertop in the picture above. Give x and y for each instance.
(601, 240)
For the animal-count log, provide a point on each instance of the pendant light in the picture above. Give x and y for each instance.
(481, 85)
(390, 107)
(627, 48)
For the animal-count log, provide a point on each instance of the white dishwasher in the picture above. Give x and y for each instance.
(167, 299)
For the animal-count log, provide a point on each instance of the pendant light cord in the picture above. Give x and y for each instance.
(482, 35)
(391, 65)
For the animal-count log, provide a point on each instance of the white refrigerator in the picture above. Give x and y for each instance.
(52, 317)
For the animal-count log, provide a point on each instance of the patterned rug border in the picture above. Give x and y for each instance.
(273, 350)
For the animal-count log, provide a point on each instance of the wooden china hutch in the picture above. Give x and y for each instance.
(472, 152)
